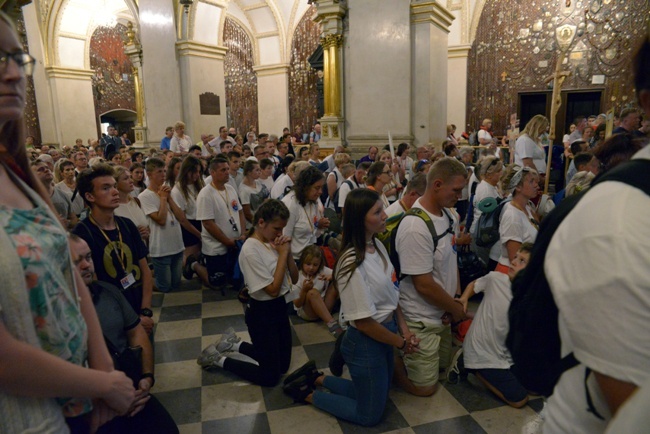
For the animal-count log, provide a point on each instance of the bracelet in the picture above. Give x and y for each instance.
(149, 375)
(403, 345)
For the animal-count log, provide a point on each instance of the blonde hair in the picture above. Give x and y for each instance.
(341, 158)
(178, 125)
(536, 127)
(445, 169)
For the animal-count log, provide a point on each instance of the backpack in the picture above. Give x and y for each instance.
(534, 337)
(470, 207)
(487, 227)
(389, 236)
(324, 196)
(337, 208)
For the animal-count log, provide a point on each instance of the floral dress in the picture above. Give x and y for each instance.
(42, 246)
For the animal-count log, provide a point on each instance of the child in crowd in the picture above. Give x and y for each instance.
(484, 348)
(317, 294)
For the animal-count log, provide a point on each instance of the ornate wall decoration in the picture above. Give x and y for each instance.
(303, 80)
(113, 85)
(32, 124)
(515, 50)
(240, 79)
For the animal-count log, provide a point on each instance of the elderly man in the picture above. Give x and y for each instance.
(220, 143)
(630, 121)
(372, 155)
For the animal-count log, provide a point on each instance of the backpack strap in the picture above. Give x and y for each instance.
(419, 212)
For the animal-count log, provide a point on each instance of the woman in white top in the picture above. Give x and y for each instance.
(180, 143)
(269, 271)
(130, 206)
(335, 178)
(369, 290)
(405, 162)
(68, 185)
(529, 151)
(266, 174)
(393, 188)
(489, 170)
(379, 175)
(137, 175)
(307, 221)
(252, 193)
(184, 194)
(519, 222)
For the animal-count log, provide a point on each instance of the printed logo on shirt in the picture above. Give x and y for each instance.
(395, 280)
(233, 204)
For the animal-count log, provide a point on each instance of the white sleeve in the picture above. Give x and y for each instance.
(149, 202)
(173, 145)
(527, 147)
(355, 297)
(344, 189)
(414, 246)
(244, 194)
(510, 226)
(204, 207)
(289, 201)
(178, 197)
(481, 284)
(256, 275)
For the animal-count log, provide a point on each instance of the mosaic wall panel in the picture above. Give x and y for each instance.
(32, 124)
(241, 80)
(303, 80)
(515, 50)
(113, 86)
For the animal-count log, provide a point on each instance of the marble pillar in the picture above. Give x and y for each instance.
(161, 70)
(202, 73)
(73, 104)
(457, 86)
(272, 97)
(429, 86)
(377, 71)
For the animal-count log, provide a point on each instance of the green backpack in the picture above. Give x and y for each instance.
(389, 235)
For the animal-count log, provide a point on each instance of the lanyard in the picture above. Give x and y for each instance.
(121, 255)
(312, 224)
(225, 199)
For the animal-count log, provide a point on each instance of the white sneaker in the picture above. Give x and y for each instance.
(209, 357)
(228, 339)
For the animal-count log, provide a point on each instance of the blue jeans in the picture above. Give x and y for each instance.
(362, 400)
(168, 270)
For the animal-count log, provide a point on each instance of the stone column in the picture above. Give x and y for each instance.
(457, 86)
(73, 104)
(203, 87)
(430, 24)
(330, 15)
(133, 49)
(272, 97)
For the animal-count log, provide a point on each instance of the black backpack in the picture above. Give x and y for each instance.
(487, 227)
(534, 337)
(335, 199)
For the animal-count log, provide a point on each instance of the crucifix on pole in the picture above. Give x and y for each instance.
(565, 35)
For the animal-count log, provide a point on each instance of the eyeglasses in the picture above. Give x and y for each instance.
(22, 59)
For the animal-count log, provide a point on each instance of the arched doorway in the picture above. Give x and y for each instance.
(122, 120)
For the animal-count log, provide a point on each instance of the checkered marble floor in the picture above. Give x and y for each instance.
(219, 402)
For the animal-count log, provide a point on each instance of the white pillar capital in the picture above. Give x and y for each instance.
(431, 12)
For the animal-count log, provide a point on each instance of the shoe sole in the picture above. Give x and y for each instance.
(305, 369)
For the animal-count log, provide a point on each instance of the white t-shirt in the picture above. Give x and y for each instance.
(484, 346)
(132, 211)
(180, 145)
(597, 268)
(320, 285)
(345, 188)
(525, 147)
(515, 226)
(258, 262)
(338, 177)
(187, 205)
(78, 204)
(223, 207)
(163, 240)
(414, 245)
(254, 197)
(372, 290)
(483, 190)
(268, 182)
(482, 134)
(280, 186)
(394, 209)
(302, 225)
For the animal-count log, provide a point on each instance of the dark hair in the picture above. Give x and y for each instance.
(449, 148)
(135, 156)
(576, 146)
(249, 166)
(305, 180)
(266, 162)
(194, 148)
(401, 148)
(526, 248)
(312, 252)
(109, 158)
(190, 165)
(170, 179)
(219, 159)
(233, 154)
(87, 176)
(304, 150)
(141, 183)
(617, 149)
(357, 204)
(284, 136)
(270, 210)
(375, 169)
(364, 166)
(582, 158)
(153, 163)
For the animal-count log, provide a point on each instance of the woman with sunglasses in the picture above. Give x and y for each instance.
(52, 353)
(379, 175)
(519, 222)
(489, 171)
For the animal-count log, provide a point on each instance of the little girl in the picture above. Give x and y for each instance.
(317, 294)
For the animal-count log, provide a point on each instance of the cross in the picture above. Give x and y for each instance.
(504, 74)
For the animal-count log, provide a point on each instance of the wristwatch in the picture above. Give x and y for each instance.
(146, 312)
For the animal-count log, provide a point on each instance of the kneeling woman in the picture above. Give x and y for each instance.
(269, 271)
(369, 291)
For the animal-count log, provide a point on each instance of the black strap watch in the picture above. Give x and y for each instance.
(146, 312)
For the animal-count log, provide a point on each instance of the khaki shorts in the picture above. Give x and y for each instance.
(303, 315)
(423, 367)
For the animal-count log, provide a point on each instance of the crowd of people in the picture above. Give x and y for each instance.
(93, 230)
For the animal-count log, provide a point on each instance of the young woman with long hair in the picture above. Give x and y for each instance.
(129, 205)
(184, 194)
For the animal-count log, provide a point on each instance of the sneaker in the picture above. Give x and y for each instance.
(299, 389)
(336, 359)
(335, 329)
(456, 369)
(228, 339)
(308, 369)
(209, 357)
(188, 272)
